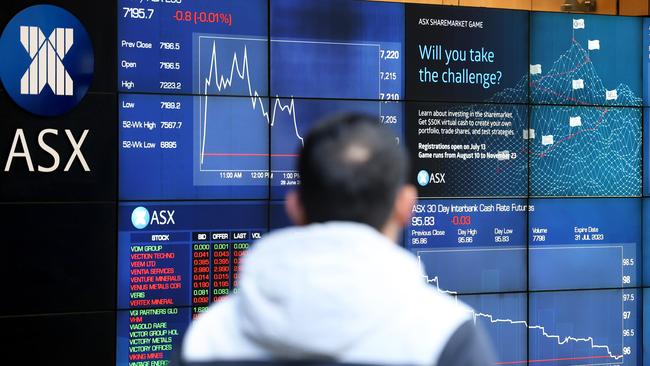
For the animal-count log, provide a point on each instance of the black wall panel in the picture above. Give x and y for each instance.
(58, 258)
(66, 339)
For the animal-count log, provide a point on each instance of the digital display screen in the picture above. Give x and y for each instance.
(585, 151)
(224, 137)
(190, 146)
(499, 224)
(174, 259)
(150, 336)
(646, 240)
(160, 44)
(169, 250)
(588, 243)
(524, 131)
(646, 102)
(580, 60)
(561, 328)
(468, 150)
(504, 317)
(646, 323)
(646, 150)
(478, 247)
(471, 246)
(568, 327)
(167, 148)
(319, 69)
(466, 55)
(356, 53)
(288, 132)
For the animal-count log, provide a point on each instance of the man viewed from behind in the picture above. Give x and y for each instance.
(337, 287)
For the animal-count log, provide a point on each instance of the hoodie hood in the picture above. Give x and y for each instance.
(304, 292)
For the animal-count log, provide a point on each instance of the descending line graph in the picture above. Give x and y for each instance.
(477, 270)
(561, 340)
(233, 138)
(616, 350)
(223, 81)
(476, 315)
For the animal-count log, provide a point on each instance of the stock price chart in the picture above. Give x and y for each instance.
(218, 125)
(524, 132)
(475, 251)
(164, 136)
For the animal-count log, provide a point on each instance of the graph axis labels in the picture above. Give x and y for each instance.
(269, 111)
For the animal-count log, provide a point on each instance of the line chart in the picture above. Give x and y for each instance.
(541, 330)
(232, 139)
(239, 69)
(579, 264)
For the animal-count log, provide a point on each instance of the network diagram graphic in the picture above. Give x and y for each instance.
(587, 141)
(584, 135)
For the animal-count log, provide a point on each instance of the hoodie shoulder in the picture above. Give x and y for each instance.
(336, 290)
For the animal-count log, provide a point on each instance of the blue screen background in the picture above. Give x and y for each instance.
(551, 260)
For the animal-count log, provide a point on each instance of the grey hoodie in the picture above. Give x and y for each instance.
(338, 291)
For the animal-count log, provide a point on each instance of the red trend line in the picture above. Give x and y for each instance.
(586, 61)
(545, 153)
(571, 99)
(250, 154)
(500, 169)
(600, 120)
(533, 84)
(578, 67)
(554, 359)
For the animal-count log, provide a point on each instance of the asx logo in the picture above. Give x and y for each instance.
(63, 61)
(141, 218)
(47, 76)
(47, 60)
(425, 178)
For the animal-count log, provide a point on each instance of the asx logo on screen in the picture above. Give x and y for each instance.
(46, 69)
(49, 60)
(425, 178)
(141, 218)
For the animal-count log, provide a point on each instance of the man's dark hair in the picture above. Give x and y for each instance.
(351, 168)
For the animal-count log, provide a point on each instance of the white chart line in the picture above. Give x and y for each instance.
(221, 82)
(559, 339)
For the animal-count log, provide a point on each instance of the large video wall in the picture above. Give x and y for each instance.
(524, 129)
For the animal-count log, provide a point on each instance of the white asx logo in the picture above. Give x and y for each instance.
(47, 60)
(50, 60)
